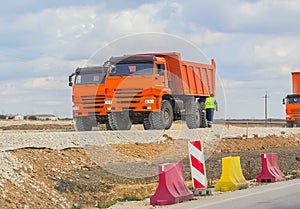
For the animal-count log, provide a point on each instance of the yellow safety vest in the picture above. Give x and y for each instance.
(210, 103)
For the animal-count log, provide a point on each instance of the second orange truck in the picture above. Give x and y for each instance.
(292, 102)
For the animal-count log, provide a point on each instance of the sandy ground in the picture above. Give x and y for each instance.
(23, 126)
(95, 176)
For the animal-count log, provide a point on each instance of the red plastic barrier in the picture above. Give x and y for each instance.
(171, 187)
(270, 171)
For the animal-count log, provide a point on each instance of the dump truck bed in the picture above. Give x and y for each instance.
(296, 82)
(189, 78)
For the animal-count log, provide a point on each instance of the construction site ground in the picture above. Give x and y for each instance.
(94, 176)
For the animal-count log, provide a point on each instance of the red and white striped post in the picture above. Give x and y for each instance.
(197, 164)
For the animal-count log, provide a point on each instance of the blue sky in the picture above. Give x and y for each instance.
(256, 45)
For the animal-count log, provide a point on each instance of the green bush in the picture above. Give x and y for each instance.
(76, 207)
(32, 117)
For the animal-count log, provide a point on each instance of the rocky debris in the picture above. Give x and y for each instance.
(21, 185)
(60, 178)
(93, 169)
(256, 143)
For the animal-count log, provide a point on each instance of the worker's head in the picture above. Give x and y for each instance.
(211, 95)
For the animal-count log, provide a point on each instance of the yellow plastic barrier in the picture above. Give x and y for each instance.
(232, 177)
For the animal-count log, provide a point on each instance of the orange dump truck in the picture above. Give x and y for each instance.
(292, 102)
(88, 97)
(155, 89)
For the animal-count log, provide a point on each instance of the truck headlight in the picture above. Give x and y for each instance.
(108, 102)
(75, 107)
(149, 101)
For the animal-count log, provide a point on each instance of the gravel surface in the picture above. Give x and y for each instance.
(100, 167)
(63, 140)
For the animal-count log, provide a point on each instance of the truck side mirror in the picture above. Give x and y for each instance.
(283, 101)
(70, 79)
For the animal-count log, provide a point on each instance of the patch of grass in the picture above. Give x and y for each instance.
(76, 207)
(46, 208)
(124, 199)
(108, 204)
(190, 187)
(129, 198)
(210, 183)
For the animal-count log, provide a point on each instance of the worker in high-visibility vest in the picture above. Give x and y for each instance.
(210, 106)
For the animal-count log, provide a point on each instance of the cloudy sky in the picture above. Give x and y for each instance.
(256, 44)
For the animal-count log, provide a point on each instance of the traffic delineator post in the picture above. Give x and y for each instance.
(197, 164)
(171, 187)
(270, 171)
(232, 177)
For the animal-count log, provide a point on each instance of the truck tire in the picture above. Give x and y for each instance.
(83, 124)
(107, 126)
(119, 121)
(146, 123)
(194, 120)
(162, 119)
(203, 119)
(289, 124)
(203, 123)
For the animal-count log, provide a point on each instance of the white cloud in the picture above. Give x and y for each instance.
(52, 103)
(142, 19)
(207, 37)
(231, 86)
(8, 88)
(50, 82)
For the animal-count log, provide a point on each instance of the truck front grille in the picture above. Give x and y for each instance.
(296, 112)
(127, 97)
(93, 103)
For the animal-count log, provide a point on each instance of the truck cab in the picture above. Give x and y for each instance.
(292, 104)
(155, 89)
(134, 87)
(88, 97)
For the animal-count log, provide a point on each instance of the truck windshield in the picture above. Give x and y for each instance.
(90, 78)
(294, 100)
(132, 69)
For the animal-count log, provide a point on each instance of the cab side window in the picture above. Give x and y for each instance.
(160, 69)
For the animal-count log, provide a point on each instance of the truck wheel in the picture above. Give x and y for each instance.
(290, 124)
(162, 119)
(83, 124)
(203, 123)
(194, 120)
(107, 125)
(203, 119)
(146, 123)
(119, 121)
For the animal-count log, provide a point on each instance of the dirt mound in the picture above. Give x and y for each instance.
(31, 172)
(44, 178)
(256, 143)
(140, 150)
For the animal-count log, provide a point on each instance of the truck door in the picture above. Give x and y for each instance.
(161, 76)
